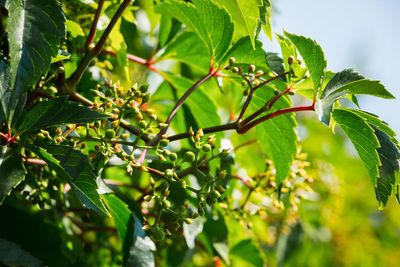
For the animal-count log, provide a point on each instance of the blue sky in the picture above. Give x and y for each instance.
(363, 34)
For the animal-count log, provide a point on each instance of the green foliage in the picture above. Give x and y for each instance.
(215, 31)
(34, 37)
(54, 112)
(191, 156)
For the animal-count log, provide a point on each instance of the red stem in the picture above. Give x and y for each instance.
(93, 28)
(247, 127)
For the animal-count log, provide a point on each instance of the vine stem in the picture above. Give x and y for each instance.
(93, 27)
(184, 97)
(266, 107)
(270, 80)
(248, 100)
(250, 125)
(90, 54)
(214, 129)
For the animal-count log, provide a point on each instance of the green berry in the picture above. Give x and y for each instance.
(143, 88)
(277, 92)
(169, 173)
(142, 124)
(290, 60)
(189, 156)
(206, 148)
(215, 194)
(231, 61)
(173, 156)
(159, 235)
(163, 142)
(235, 70)
(110, 133)
(252, 68)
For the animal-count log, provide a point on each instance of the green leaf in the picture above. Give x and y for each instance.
(248, 251)
(243, 53)
(12, 171)
(35, 32)
(277, 136)
(187, 48)
(245, 15)
(54, 112)
(203, 108)
(344, 83)
(74, 167)
(275, 63)
(124, 222)
(265, 18)
(363, 138)
(375, 121)
(312, 55)
(5, 91)
(388, 180)
(190, 231)
(12, 254)
(214, 30)
(74, 28)
(169, 27)
(389, 154)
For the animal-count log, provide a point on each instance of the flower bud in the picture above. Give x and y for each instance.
(252, 68)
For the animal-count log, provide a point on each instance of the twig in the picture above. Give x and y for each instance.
(247, 127)
(214, 129)
(93, 28)
(183, 98)
(90, 54)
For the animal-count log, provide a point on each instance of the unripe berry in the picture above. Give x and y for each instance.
(142, 124)
(159, 235)
(206, 148)
(290, 60)
(235, 70)
(109, 134)
(166, 204)
(188, 221)
(189, 156)
(277, 92)
(246, 92)
(215, 194)
(299, 61)
(173, 156)
(169, 173)
(163, 142)
(252, 68)
(291, 93)
(231, 61)
(143, 88)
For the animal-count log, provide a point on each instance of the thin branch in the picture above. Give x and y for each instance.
(248, 100)
(270, 80)
(182, 100)
(247, 127)
(90, 54)
(266, 107)
(214, 129)
(93, 28)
